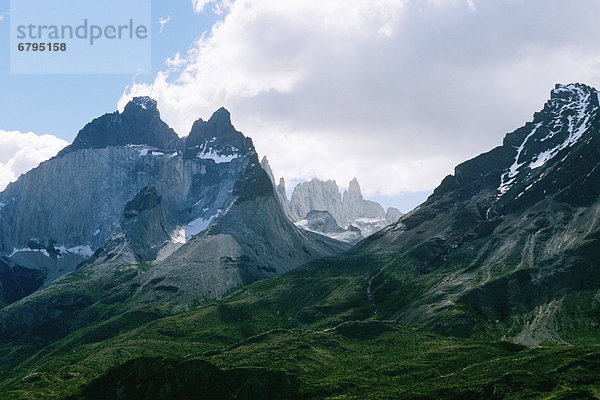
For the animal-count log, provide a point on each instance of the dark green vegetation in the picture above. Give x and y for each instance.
(313, 333)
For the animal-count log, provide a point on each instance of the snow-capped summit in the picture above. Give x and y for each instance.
(553, 155)
(558, 135)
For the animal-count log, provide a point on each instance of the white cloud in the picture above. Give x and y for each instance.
(199, 5)
(394, 92)
(21, 152)
(163, 22)
(175, 62)
(219, 6)
(2, 15)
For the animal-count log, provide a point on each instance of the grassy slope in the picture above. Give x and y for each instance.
(301, 324)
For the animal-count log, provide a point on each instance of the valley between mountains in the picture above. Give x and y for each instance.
(139, 265)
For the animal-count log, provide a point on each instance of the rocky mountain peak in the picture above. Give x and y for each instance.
(571, 90)
(534, 160)
(217, 139)
(264, 163)
(221, 117)
(138, 124)
(354, 189)
(143, 102)
(568, 121)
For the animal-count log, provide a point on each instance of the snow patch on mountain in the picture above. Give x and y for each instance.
(185, 233)
(573, 111)
(28, 250)
(509, 177)
(144, 102)
(216, 157)
(144, 150)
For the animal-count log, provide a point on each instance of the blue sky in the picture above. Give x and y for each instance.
(393, 92)
(62, 104)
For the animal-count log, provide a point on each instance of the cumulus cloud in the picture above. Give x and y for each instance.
(394, 92)
(21, 152)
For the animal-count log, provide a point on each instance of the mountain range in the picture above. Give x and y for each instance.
(199, 284)
(318, 206)
(119, 196)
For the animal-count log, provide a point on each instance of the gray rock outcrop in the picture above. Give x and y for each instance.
(139, 123)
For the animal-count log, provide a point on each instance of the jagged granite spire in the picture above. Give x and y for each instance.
(264, 163)
(349, 210)
(354, 189)
(356, 208)
(279, 190)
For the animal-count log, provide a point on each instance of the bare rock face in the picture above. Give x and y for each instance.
(142, 232)
(252, 239)
(317, 195)
(264, 163)
(282, 196)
